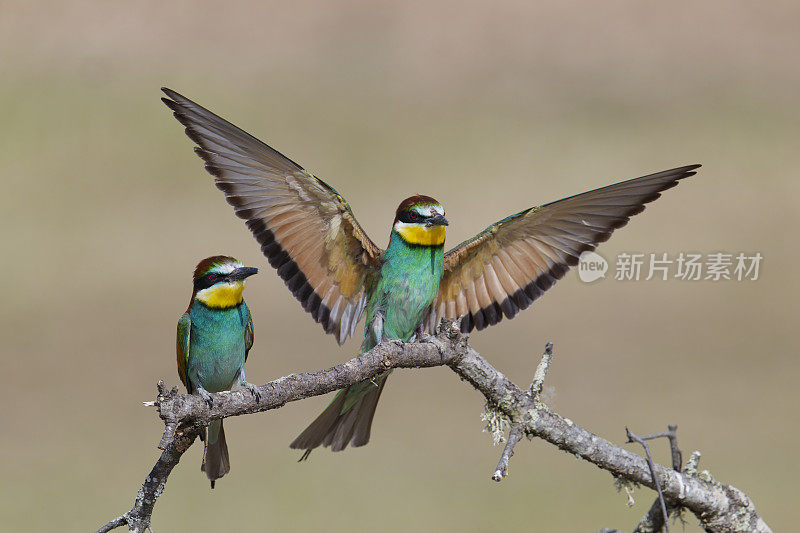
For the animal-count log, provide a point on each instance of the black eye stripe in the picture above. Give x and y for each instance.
(205, 281)
(405, 216)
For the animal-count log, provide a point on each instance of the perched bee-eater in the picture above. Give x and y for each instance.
(215, 335)
(310, 235)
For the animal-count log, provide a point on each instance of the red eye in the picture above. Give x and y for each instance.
(413, 215)
(212, 277)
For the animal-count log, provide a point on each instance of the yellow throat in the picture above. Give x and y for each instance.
(222, 295)
(423, 235)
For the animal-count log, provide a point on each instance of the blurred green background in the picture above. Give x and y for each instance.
(489, 107)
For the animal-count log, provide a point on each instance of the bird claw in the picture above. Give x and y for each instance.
(253, 389)
(204, 394)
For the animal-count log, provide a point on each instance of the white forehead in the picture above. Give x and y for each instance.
(429, 210)
(226, 268)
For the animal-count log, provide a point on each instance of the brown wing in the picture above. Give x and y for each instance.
(306, 229)
(510, 264)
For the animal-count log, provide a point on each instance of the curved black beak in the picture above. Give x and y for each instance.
(436, 220)
(241, 273)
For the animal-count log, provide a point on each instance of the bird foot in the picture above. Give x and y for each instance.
(253, 390)
(206, 396)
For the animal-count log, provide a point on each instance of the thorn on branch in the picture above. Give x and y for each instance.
(514, 435)
(643, 441)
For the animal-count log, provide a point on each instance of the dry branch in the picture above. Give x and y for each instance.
(654, 519)
(662, 505)
(516, 432)
(720, 508)
(501, 471)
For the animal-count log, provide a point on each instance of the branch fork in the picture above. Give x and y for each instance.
(516, 431)
(653, 521)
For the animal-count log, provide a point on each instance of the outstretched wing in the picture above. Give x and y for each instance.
(306, 229)
(182, 348)
(511, 263)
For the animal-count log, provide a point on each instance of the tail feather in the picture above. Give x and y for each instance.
(335, 429)
(363, 425)
(318, 431)
(215, 455)
(345, 427)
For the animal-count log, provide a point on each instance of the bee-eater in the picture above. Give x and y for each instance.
(215, 335)
(310, 235)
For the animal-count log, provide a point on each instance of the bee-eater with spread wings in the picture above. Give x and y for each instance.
(215, 335)
(310, 235)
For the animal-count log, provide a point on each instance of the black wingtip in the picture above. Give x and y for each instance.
(174, 98)
(169, 92)
(679, 173)
(170, 104)
(688, 170)
(305, 455)
(173, 106)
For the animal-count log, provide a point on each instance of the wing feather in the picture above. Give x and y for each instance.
(182, 348)
(505, 268)
(306, 229)
(249, 334)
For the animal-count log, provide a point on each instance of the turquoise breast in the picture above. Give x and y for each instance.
(216, 346)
